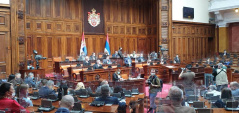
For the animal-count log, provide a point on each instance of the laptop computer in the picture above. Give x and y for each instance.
(118, 95)
(77, 108)
(127, 93)
(97, 103)
(46, 105)
(232, 106)
(198, 104)
(35, 96)
(135, 91)
(52, 97)
(192, 98)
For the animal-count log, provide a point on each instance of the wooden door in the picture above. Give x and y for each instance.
(5, 48)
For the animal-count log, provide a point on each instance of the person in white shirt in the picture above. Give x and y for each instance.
(213, 90)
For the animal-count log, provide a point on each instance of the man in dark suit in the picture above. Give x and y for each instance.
(116, 55)
(107, 60)
(47, 89)
(105, 54)
(81, 57)
(105, 96)
(120, 53)
(29, 80)
(177, 59)
(116, 76)
(141, 58)
(93, 57)
(86, 62)
(98, 65)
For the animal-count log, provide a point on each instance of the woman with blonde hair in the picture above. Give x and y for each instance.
(79, 86)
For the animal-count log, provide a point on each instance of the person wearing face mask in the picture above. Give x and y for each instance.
(7, 92)
(177, 60)
(128, 61)
(98, 65)
(30, 80)
(93, 57)
(66, 104)
(154, 87)
(117, 76)
(141, 58)
(22, 93)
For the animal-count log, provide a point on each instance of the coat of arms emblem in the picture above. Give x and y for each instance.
(93, 18)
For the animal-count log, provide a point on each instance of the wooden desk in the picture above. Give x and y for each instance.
(105, 109)
(41, 72)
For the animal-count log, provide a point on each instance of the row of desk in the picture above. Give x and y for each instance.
(86, 101)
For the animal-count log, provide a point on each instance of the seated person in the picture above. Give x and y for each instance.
(93, 57)
(226, 95)
(213, 90)
(105, 96)
(6, 98)
(63, 89)
(154, 55)
(133, 55)
(86, 62)
(120, 53)
(116, 76)
(225, 53)
(98, 89)
(66, 104)
(107, 60)
(176, 97)
(116, 55)
(235, 88)
(97, 65)
(29, 80)
(22, 93)
(17, 80)
(105, 54)
(47, 89)
(128, 61)
(141, 58)
(177, 59)
(11, 77)
(81, 57)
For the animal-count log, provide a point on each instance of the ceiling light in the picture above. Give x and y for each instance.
(236, 10)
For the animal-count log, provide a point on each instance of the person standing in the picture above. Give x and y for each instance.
(221, 77)
(154, 87)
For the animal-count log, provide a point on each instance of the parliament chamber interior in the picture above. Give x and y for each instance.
(119, 56)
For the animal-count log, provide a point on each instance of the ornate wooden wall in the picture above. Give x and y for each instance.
(54, 28)
(192, 40)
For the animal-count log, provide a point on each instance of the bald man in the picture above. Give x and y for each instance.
(66, 104)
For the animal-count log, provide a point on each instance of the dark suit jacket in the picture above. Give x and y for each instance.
(30, 82)
(120, 54)
(140, 59)
(45, 91)
(95, 66)
(110, 100)
(86, 63)
(115, 77)
(177, 60)
(92, 57)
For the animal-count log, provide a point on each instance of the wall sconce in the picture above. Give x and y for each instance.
(236, 10)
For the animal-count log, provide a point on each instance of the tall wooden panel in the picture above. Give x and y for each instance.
(190, 40)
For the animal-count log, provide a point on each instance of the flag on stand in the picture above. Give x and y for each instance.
(83, 45)
(107, 45)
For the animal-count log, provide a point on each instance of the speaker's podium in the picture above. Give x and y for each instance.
(40, 72)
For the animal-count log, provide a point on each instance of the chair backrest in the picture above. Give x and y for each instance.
(232, 104)
(204, 111)
(35, 94)
(198, 104)
(52, 96)
(76, 99)
(46, 103)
